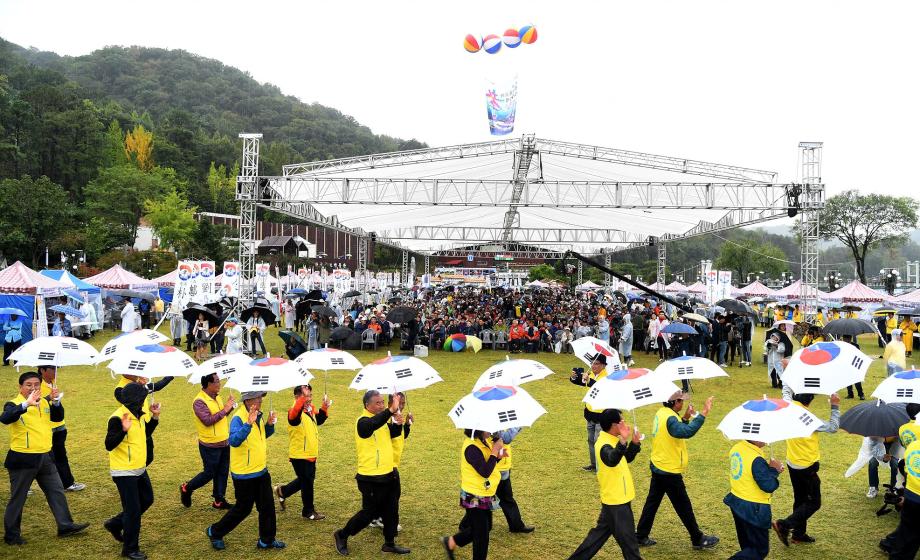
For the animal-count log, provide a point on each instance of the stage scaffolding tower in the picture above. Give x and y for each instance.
(810, 202)
(247, 194)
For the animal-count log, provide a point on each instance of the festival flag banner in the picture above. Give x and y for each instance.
(263, 282)
(182, 293)
(206, 276)
(231, 279)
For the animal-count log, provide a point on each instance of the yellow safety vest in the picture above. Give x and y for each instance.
(743, 485)
(819, 320)
(32, 432)
(220, 430)
(912, 466)
(891, 324)
(131, 453)
(504, 464)
(803, 451)
(797, 317)
(46, 391)
(303, 439)
(398, 443)
(471, 481)
(375, 454)
(596, 378)
(249, 457)
(122, 383)
(668, 452)
(908, 433)
(616, 483)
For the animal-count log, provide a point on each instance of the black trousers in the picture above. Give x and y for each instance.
(306, 475)
(58, 449)
(754, 541)
(9, 348)
(378, 499)
(859, 390)
(216, 466)
(806, 492)
(673, 486)
(250, 492)
(474, 528)
(253, 338)
(136, 498)
(616, 521)
(505, 495)
(907, 536)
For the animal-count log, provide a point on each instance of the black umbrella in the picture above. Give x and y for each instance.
(191, 312)
(132, 294)
(292, 338)
(265, 313)
(620, 297)
(351, 293)
(315, 295)
(735, 306)
(324, 311)
(848, 327)
(396, 299)
(402, 314)
(340, 333)
(915, 312)
(850, 308)
(874, 419)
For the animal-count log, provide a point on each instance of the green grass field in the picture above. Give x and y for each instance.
(552, 490)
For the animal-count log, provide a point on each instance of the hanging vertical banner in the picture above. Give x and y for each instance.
(206, 274)
(302, 276)
(230, 286)
(262, 281)
(501, 105)
(182, 292)
(725, 284)
(712, 286)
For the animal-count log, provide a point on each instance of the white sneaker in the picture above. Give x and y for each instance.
(873, 492)
(631, 363)
(378, 523)
(75, 487)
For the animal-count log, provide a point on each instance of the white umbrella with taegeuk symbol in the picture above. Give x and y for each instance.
(224, 365)
(152, 360)
(328, 358)
(689, 367)
(627, 389)
(494, 408)
(900, 387)
(587, 347)
(825, 367)
(58, 351)
(395, 374)
(128, 341)
(513, 372)
(768, 420)
(268, 375)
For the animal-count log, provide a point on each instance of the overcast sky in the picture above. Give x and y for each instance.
(732, 82)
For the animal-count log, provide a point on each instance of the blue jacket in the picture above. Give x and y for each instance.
(13, 330)
(239, 431)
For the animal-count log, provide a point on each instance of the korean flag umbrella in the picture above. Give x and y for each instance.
(689, 367)
(129, 341)
(58, 351)
(494, 408)
(269, 374)
(152, 360)
(587, 347)
(900, 387)
(513, 372)
(224, 365)
(327, 359)
(825, 368)
(628, 389)
(395, 374)
(768, 420)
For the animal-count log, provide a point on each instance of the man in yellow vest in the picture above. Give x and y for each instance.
(592, 416)
(213, 427)
(753, 481)
(375, 477)
(504, 492)
(252, 484)
(905, 541)
(616, 447)
(891, 323)
(128, 431)
(668, 463)
(58, 435)
(908, 327)
(404, 421)
(303, 449)
(803, 457)
(29, 417)
(909, 432)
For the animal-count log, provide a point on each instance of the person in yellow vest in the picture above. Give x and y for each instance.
(803, 456)
(835, 315)
(252, 484)
(905, 541)
(58, 435)
(128, 430)
(29, 417)
(908, 327)
(891, 323)
(779, 313)
(151, 388)
(404, 421)
(504, 492)
(592, 417)
(819, 318)
(669, 461)
(479, 480)
(753, 480)
(303, 449)
(617, 446)
(797, 315)
(910, 431)
(213, 426)
(375, 477)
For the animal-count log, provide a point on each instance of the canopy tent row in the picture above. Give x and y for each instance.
(23, 288)
(93, 294)
(856, 292)
(117, 278)
(756, 289)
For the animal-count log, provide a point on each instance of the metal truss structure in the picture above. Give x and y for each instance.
(662, 263)
(246, 195)
(810, 201)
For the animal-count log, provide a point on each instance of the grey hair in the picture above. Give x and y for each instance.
(371, 393)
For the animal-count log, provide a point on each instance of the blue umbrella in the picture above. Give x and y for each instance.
(678, 328)
(12, 311)
(68, 310)
(75, 295)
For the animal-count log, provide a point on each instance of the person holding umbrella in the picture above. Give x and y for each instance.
(201, 335)
(252, 483)
(303, 448)
(234, 334)
(479, 480)
(753, 480)
(618, 445)
(48, 374)
(375, 477)
(213, 434)
(592, 416)
(803, 457)
(12, 336)
(668, 463)
(256, 325)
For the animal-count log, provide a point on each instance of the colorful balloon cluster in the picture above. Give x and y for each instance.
(493, 43)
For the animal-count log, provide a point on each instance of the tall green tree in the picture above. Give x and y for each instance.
(749, 256)
(33, 212)
(113, 151)
(864, 222)
(172, 220)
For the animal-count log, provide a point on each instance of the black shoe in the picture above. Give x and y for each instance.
(523, 529)
(116, 533)
(445, 542)
(136, 555)
(341, 543)
(184, 495)
(849, 396)
(14, 541)
(802, 539)
(73, 529)
(781, 532)
(708, 541)
(588, 468)
(395, 549)
(647, 542)
(221, 504)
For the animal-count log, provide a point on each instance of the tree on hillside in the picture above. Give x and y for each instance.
(172, 220)
(749, 256)
(139, 147)
(863, 222)
(113, 151)
(118, 194)
(33, 212)
(222, 188)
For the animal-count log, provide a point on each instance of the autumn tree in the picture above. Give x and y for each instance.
(139, 147)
